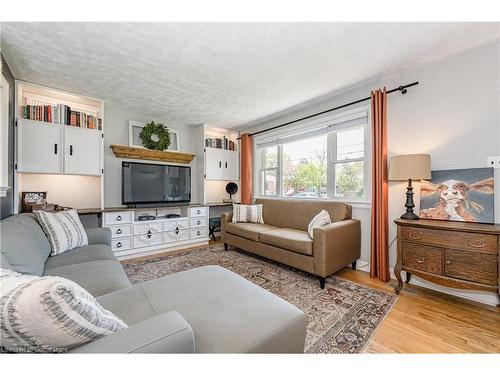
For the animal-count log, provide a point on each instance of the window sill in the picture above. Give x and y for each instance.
(353, 203)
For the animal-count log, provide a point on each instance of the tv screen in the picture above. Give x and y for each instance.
(155, 183)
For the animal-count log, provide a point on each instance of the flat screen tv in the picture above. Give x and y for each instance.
(155, 183)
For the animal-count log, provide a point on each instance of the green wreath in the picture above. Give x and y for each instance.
(155, 136)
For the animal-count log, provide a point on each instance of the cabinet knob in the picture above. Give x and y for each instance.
(198, 233)
(198, 212)
(119, 244)
(198, 222)
(148, 235)
(149, 231)
(118, 218)
(119, 231)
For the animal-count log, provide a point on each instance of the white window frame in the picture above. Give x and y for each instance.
(311, 128)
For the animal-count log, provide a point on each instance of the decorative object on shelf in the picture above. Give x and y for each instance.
(30, 198)
(134, 140)
(459, 195)
(155, 136)
(231, 189)
(410, 167)
(223, 143)
(145, 154)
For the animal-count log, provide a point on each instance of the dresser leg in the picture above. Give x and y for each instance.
(397, 272)
(225, 246)
(408, 277)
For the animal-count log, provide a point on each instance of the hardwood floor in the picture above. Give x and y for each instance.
(425, 321)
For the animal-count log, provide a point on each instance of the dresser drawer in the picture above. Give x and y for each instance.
(472, 266)
(199, 222)
(198, 233)
(447, 238)
(121, 244)
(198, 212)
(174, 224)
(120, 231)
(178, 235)
(148, 240)
(125, 217)
(422, 257)
(148, 228)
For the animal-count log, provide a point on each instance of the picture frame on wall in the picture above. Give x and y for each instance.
(135, 128)
(459, 195)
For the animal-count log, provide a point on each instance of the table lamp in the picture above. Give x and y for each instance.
(410, 167)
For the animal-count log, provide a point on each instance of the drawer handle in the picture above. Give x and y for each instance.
(198, 212)
(148, 235)
(119, 244)
(177, 231)
(478, 246)
(417, 237)
(420, 260)
(118, 231)
(198, 222)
(118, 218)
(198, 233)
(149, 232)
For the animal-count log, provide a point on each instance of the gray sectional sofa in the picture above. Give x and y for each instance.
(204, 310)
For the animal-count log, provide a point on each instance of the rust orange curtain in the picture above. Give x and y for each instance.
(246, 168)
(379, 259)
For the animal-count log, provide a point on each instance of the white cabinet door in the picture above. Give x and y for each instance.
(230, 165)
(40, 147)
(83, 149)
(214, 164)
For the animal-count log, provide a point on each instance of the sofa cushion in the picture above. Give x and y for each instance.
(97, 277)
(4, 264)
(81, 255)
(294, 240)
(29, 222)
(249, 231)
(20, 249)
(227, 313)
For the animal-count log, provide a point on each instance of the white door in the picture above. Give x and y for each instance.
(40, 147)
(230, 165)
(214, 164)
(83, 149)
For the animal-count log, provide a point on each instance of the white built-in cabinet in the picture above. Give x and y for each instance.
(221, 164)
(60, 149)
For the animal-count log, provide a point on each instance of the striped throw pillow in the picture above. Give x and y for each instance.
(247, 213)
(63, 229)
(50, 314)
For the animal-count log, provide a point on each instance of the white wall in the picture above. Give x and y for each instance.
(116, 132)
(453, 114)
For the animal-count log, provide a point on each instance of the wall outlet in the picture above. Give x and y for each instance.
(493, 161)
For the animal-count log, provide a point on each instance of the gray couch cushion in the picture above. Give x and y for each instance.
(29, 222)
(228, 314)
(4, 263)
(20, 248)
(80, 255)
(96, 277)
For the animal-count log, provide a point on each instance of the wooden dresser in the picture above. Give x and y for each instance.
(453, 254)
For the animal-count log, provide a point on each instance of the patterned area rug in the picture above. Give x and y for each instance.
(341, 318)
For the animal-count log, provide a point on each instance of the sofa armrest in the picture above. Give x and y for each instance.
(99, 236)
(226, 217)
(165, 333)
(336, 245)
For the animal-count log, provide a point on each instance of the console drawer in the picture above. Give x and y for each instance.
(125, 217)
(455, 239)
(471, 266)
(148, 228)
(198, 233)
(120, 231)
(180, 235)
(121, 244)
(422, 257)
(198, 212)
(175, 224)
(199, 222)
(148, 240)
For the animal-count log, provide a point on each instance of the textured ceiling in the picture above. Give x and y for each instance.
(221, 73)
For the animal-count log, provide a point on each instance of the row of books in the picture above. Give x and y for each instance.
(60, 114)
(223, 143)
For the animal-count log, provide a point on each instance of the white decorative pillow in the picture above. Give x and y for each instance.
(50, 314)
(63, 229)
(247, 213)
(323, 218)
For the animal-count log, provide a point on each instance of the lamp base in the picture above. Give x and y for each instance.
(409, 214)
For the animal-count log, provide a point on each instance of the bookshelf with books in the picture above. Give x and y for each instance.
(59, 133)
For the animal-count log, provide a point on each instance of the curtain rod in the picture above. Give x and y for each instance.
(402, 89)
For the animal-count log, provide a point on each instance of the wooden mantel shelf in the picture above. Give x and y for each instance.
(145, 154)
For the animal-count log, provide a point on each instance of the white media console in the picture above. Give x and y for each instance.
(131, 237)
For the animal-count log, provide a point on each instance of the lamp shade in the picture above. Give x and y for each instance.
(413, 166)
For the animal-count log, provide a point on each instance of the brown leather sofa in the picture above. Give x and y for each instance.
(284, 238)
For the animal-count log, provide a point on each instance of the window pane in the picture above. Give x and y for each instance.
(350, 143)
(349, 180)
(269, 157)
(304, 168)
(268, 183)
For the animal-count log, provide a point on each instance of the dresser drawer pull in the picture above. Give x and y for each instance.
(419, 260)
(415, 237)
(448, 262)
(118, 218)
(119, 244)
(119, 231)
(480, 245)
